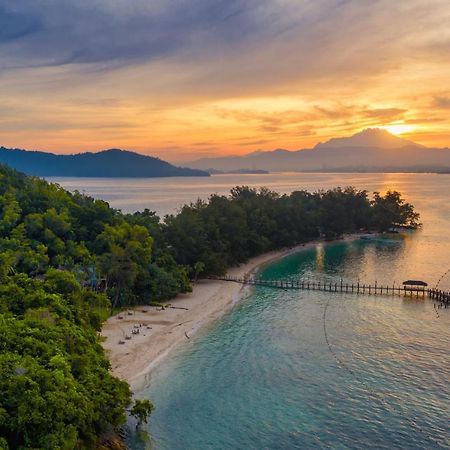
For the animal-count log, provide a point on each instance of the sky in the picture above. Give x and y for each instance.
(182, 79)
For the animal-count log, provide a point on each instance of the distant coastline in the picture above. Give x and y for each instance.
(371, 150)
(238, 171)
(113, 163)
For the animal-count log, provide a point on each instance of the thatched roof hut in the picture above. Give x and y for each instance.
(415, 283)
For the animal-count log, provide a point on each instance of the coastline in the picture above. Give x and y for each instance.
(162, 330)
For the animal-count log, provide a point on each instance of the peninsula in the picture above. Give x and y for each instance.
(68, 261)
(107, 163)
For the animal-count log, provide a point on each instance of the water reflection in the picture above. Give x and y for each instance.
(264, 376)
(320, 258)
(424, 254)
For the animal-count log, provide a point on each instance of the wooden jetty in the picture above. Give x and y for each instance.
(440, 296)
(341, 287)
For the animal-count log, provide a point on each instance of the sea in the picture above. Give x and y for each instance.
(303, 369)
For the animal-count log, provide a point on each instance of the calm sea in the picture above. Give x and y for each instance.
(310, 370)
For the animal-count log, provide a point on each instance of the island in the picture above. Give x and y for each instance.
(238, 171)
(68, 262)
(107, 163)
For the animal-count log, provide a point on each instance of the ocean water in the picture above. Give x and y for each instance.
(300, 370)
(310, 370)
(166, 195)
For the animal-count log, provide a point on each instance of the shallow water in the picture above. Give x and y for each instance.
(264, 377)
(425, 255)
(301, 370)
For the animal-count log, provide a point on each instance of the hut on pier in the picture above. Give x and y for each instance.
(416, 286)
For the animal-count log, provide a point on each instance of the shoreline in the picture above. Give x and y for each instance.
(133, 357)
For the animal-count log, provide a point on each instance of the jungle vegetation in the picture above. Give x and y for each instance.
(66, 259)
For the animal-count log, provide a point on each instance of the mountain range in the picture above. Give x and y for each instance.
(373, 149)
(107, 163)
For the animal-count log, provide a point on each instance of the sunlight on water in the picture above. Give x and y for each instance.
(425, 256)
(264, 376)
(166, 195)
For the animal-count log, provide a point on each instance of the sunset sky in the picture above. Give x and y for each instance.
(187, 78)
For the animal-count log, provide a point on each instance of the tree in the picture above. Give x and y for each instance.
(141, 410)
(391, 209)
(124, 252)
(199, 267)
(58, 249)
(10, 210)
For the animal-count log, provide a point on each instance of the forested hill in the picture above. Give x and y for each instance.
(108, 163)
(56, 391)
(66, 258)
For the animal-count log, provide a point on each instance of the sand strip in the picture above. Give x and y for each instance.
(157, 331)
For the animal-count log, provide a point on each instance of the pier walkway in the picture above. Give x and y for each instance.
(341, 287)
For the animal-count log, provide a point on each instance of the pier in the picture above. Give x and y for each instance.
(341, 287)
(440, 296)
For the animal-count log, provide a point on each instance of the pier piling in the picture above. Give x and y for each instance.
(435, 294)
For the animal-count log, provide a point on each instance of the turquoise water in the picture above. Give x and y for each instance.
(264, 377)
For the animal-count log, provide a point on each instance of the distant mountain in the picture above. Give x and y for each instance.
(238, 171)
(370, 137)
(370, 150)
(108, 163)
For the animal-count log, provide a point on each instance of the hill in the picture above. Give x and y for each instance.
(370, 150)
(108, 163)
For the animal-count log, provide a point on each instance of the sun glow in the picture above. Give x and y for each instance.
(398, 129)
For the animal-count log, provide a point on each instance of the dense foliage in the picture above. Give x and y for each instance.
(228, 230)
(55, 388)
(141, 411)
(65, 259)
(62, 258)
(108, 163)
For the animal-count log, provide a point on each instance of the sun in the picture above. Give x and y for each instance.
(398, 129)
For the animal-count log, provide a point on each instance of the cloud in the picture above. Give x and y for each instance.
(203, 144)
(15, 25)
(442, 102)
(253, 143)
(290, 71)
(305, 132)
(387, 114)
(115, 32)
(338, 112)
(207, 48)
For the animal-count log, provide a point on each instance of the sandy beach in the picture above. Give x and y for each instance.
(133, 356)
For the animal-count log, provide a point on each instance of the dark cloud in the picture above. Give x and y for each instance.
(244, 44)
(40, 32)
(305, 132)
(334, 64)
(15, 25)
(442, 102)
(257, 142)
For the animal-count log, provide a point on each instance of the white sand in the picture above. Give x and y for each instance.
(162, 330)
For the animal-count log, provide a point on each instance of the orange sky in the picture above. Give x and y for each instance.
(183, 79)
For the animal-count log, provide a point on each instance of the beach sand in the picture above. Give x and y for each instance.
(160, 331)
